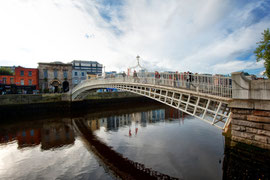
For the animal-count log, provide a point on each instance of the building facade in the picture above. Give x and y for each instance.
(27, 78)
(91, 75)
(7, 84)
(24, 80)
(80, 69)
(55, 77)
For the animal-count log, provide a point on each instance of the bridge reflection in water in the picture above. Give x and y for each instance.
(60, 134)
(122, 166)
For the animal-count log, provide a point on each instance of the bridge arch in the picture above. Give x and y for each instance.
(209, 108)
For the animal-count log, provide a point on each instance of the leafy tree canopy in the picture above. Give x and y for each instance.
(5, 71)
(263, 51)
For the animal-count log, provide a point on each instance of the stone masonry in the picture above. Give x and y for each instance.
(250, 109)
(251, 127)
(50, 79)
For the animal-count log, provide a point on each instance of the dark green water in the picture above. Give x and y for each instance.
(160, 138)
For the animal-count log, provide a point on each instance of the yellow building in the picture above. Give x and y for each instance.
(91, 76)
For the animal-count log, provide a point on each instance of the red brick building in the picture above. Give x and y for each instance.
(7, 79)
(24, 80)
(26, 77)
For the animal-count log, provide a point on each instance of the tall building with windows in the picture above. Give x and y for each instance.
(22, 80)
(26, 78)
(55, 77)
(80, 69)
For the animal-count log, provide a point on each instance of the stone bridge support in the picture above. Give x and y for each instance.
(250, 109)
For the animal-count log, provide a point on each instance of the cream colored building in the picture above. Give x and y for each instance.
(55, 77)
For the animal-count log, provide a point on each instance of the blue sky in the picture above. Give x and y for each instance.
(207, 36)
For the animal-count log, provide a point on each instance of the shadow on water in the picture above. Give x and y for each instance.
(245, 162)
(121, 166)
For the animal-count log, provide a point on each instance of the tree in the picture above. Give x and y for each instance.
(5, 71)
(263, 51)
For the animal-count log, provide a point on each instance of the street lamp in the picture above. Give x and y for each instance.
(104, 72)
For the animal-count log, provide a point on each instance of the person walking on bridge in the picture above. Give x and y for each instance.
(190, 79)
(124, 75)
(157, 76)
(135, 76)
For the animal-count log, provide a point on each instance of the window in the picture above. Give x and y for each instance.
(32, 132)
(55, 73)
(11, 80)
(65, 73)
(94, 65)
(85, 64)
(4, 80)
(75, 73)
(76, 81)
(45, 71)
(30, 82)
(82, 73)
(22, 73)
(30, 73)
(22, 82)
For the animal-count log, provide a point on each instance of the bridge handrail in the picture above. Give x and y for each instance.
(210, 84)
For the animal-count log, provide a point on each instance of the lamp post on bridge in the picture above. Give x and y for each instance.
(104, 71)
(137, 66)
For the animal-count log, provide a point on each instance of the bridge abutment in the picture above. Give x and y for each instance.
(250, 109)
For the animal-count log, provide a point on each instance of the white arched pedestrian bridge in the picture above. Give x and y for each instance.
(203, 96)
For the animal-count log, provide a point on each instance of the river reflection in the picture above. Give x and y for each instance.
(145, 142)
(47, 134)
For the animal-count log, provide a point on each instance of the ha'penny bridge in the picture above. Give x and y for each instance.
(203, 96)
(219, 100)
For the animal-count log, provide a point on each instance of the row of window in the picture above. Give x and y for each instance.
(55, 73)
(30, 82)
(83, 73)
(88, 68)
(65, 73)
(76, 73)
(29, 73)
(88, 64)
(4, 81)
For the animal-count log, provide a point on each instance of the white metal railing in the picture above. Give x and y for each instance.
(218, 85)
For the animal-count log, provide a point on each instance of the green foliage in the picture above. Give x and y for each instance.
(5, 71)
(263, 51)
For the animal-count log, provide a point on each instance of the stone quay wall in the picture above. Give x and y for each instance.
(23, 99)
(251, 127)
(250, 109)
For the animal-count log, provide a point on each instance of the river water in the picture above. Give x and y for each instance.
(155, 136)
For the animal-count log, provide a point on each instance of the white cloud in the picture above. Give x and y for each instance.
(199, 36)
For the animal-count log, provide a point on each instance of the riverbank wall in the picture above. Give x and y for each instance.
(13, 107)
(250, 109)
(24, 99)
